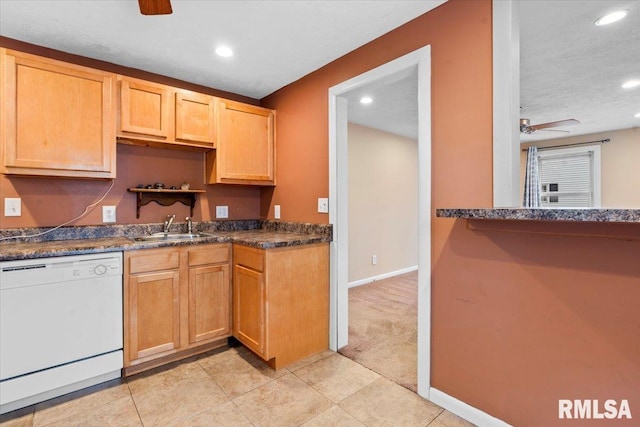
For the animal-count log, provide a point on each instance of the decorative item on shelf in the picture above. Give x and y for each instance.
(164, 196)
(185, 186)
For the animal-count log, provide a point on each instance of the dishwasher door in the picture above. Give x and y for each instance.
(57, 312)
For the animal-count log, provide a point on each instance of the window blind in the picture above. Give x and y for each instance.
(567, 180)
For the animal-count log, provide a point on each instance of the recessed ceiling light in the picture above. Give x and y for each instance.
(637, 116)
(612, 17)
(224, 51)
(631, 84)
(366, 100)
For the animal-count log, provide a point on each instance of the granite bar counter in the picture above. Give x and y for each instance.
(544, 214)
(28, 243)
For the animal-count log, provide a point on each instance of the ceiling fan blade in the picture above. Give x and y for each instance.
(155, 7)
(559, 123)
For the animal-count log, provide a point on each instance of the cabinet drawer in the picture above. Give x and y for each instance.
(246, 256)
(214, 254)
(153, 261)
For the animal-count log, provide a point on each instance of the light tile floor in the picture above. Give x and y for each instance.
(383, 328)
(233, 387)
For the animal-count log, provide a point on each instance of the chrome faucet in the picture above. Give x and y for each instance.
(189, 225)
(168, 222)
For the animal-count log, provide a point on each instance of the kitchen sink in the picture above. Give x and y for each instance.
(154, 237)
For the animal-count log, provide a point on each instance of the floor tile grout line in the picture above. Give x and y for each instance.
(436, 417)
(135, 405)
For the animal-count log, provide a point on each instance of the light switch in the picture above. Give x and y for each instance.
(276, 211)
(323, 205)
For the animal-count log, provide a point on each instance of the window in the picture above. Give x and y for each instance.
(570, 177)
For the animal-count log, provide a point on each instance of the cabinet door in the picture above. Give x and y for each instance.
(209, 302)
(249, 308)
(195, 118)
(145, 109)
(246, 146)
(58, 119)
(154, 314)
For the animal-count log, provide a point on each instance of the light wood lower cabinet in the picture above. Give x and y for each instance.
(208, 318)
(281, 301)
(176, 303)
(154, 311)
(249, 318)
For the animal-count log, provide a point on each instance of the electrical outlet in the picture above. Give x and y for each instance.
(374, 259)
(12, 206)
(276, 211)
(222, 211)
(108, 214)
(323, 205)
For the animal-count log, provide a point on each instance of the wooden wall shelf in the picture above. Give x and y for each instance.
(165, 197)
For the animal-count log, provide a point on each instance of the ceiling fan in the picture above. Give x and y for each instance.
(155, 7)
(526, 127)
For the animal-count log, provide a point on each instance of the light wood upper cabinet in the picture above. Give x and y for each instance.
(145, 109)
(195, 117)
(160, 115)
(57, 119)
(245, 151)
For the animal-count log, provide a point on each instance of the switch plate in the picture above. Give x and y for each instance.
(108, 214)
(12, 206)
(276, 211)
(222, 211)
(323, 205)
(374, 259)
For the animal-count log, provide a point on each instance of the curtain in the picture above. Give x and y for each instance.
(532, 180)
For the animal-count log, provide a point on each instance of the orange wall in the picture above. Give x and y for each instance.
(49, 202)
(52, 201)
(519, 320)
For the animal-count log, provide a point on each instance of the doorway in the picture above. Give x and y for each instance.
(338, 194)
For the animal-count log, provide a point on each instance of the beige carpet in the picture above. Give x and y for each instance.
(382, 328)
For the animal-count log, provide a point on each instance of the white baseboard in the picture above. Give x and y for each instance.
(463, 410)
(382, 276)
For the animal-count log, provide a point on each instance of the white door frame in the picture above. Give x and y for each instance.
(338, 208)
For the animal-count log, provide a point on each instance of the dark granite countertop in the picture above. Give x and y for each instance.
(544, 214)
(96, 239)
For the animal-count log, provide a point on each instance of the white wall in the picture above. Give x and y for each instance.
(383, 202)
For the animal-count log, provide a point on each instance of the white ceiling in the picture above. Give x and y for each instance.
(572, 69)
(394, 108)
(569, 67)
(276, 42)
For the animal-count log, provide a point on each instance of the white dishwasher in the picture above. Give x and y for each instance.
(60, 326)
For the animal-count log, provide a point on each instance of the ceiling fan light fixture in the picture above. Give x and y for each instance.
(612, 17)
(224, 51)
(155, 7)
(630, 84)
